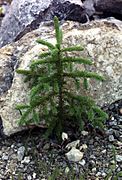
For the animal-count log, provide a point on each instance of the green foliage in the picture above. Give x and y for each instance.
(113, 174)
(50, 100)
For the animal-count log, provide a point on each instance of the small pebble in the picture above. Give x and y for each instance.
(20, 153)
(46, 146)
(119, 158)
(64, 136)
(94, 169)
(29, 177)
(112, 118)
(92, 157)
(103, 174)
(26, 160)
(74, 155)
(83, 162)
(84, 133)
(113, 123)
(84, 147)
(73, 144)
(120, 110)
(4, 157)
(67, 170)
(104, 151)
(111, 138)
(34, 175)
(98, 174)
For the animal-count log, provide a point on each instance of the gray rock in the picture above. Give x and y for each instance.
(104, 151)
(29, 177)
(108, 6)
(82, 162)
(74, 155)
(20, 153)
(84, 133)
(120, 119)
(26, 160)
(98, 174)
(67, 170)
(104, 52)
(119, 158)
(24, 16)
(92, 157)
(92, 164)
(1, 152)
(103, 174)
(109, 131)
(34, 175)
(46, 146)
(120, 110)
(111, 138)
(5, 157)
(113, 123)
(73, 144)
(83, 147)
(94, 169)
(21, 15)
(116, 134)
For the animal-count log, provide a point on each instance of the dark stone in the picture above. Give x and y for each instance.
(7, 78)
(1, 129)
(113, 6)
(25, 16)
(109, 8)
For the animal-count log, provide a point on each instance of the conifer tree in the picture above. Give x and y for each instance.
(50, 100)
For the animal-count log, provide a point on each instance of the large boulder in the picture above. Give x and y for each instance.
(103, 44)
(24, 16)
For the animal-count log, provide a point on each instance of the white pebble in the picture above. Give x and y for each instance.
(64, 136)
(83, 162)
(26, 160)
(67, 170)
(73, 144)
(34, 175)
(84, 147)
(84, 133)
(94, 169)
(98, 174)
(103, 174)
(29, 177)
(119, 158)
(104, 151)
(74, 155)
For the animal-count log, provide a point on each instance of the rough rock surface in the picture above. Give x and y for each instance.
(103, 42)
(104, 8)
(109, 6)
(74, 155)
(24, 16)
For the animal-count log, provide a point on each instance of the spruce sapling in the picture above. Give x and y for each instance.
(50, 100)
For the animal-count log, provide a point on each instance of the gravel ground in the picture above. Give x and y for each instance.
(27, 155)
